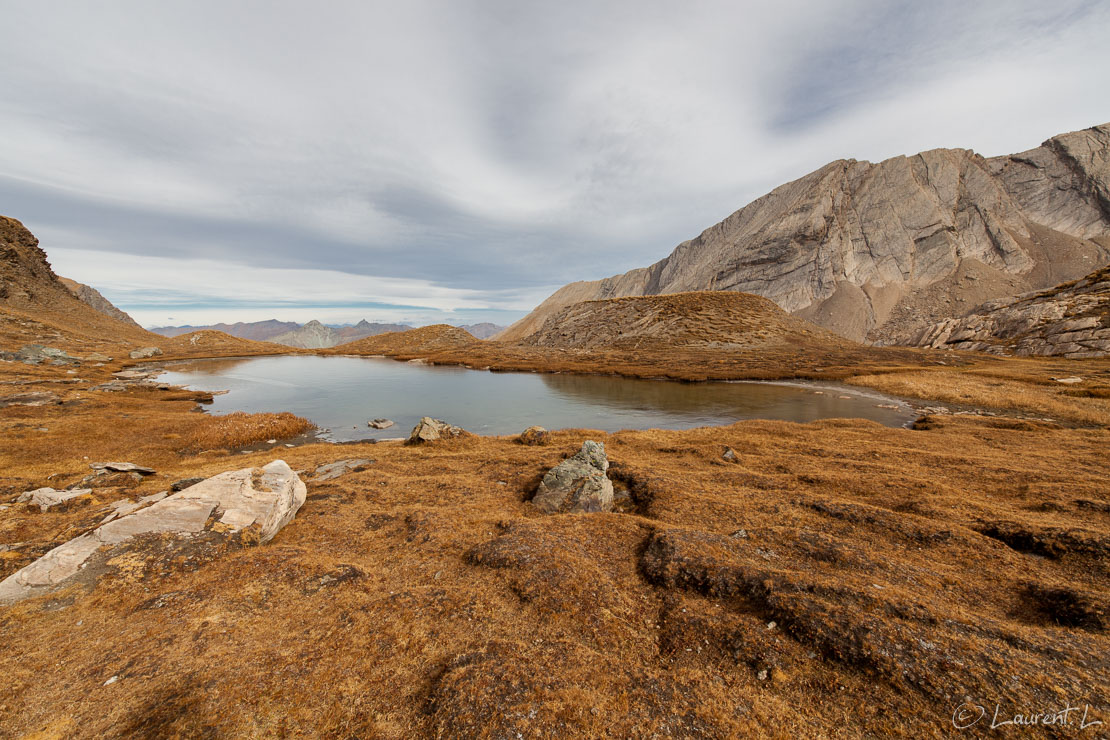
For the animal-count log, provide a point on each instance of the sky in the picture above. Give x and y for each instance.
(460, 160)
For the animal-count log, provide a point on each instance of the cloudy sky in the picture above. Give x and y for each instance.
(201, 161)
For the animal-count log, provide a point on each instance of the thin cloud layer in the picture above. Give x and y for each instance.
(472, 156)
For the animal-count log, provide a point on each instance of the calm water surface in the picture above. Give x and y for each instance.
(343, 393)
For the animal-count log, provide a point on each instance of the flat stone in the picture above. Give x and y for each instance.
(122, 467)
(380, 423)
(45, 498)
(267, 498)
(30, 398)
(341, 467)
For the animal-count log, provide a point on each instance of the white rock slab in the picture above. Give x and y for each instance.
(47, 497)
(267, 497)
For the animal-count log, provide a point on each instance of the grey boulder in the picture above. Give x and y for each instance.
(577, 484)
(45, 498)
(430, 430)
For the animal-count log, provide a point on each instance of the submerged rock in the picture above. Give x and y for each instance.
(262, 499)
(380, 423)
(578, 484)
(534, 436)
(429, 430)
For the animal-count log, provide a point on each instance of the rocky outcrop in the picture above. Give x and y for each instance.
(332, 470)
(431, 430)
(1071, 320)
(93, 298)
(877, 251)
(577, 484)
(251, 504)
(145, 353)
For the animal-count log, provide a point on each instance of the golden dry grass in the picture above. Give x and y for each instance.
(239, 429)
(1083, 403)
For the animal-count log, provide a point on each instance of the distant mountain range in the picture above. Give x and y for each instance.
(314, 334)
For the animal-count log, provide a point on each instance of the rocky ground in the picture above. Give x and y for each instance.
(1070, 320)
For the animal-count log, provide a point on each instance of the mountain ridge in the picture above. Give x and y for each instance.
(875, 252)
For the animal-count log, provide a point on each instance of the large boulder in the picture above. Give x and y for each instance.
(260, 499)
(577, 484)
(430, 430)
(144, 353)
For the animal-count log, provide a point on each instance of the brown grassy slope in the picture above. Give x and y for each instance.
(424, 598)
(718, 320)
(434, 338)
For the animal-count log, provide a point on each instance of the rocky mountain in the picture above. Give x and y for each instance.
(1072, 320)
(92, 297)
(312, 335)
(259, 331)
(35, 304)
(714, 320)
(878, 251)
(484, 330)
(366, 328)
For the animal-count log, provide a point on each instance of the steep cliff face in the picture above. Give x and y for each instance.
(92, 297)
(877, 251)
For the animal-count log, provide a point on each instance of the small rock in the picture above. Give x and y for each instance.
(341, 467)
(577, 484)
(183, 483)
(534, 436)
(430, 430)
(98, 357)
(380, 423)
(111, 680)
(144, 353)
(762, 675)
(30, 398)
(1069, 381)
(729, 454)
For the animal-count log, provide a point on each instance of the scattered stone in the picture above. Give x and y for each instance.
(183, 483)
(1069, 381)
(97, 357)
(535, 436)
(111, 680)
(144, 353)
(728, 454)
(45, 498)
(122, 467)
(578, 484)
(341, 467)
(430, 430)
(30, 398)
(380, 424)
(262, 499)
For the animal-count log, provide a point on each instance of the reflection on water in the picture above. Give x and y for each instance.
(342, 393)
